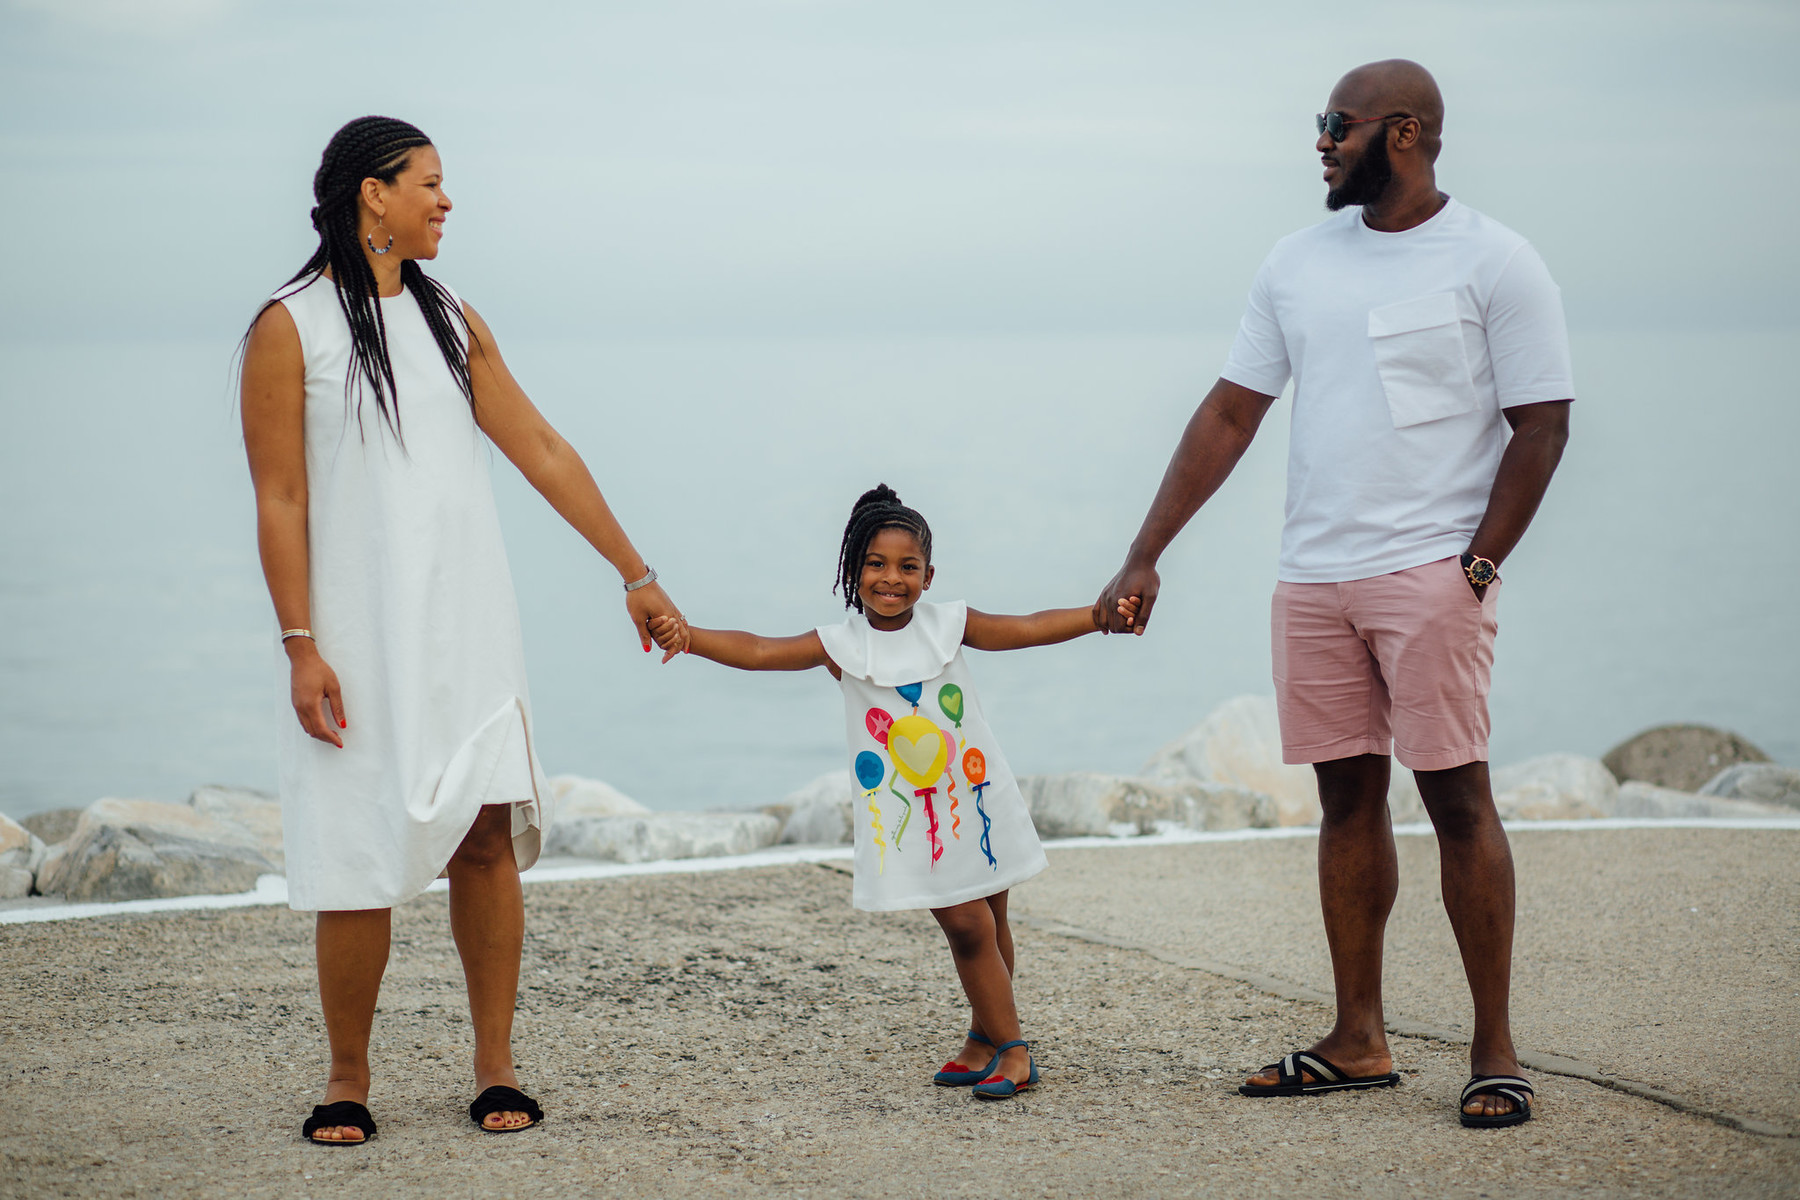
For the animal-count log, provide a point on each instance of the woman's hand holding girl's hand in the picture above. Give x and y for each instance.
(671, 634)
(318, 701)
(646, 605)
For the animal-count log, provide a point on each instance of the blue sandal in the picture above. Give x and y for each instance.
(955, 1074)
(999, 1087)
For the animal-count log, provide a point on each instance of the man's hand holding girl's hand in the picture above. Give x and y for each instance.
(1127, 612)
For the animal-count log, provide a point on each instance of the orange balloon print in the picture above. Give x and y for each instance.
(974, 767)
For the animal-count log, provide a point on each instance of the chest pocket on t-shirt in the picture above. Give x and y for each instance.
(1420, 356)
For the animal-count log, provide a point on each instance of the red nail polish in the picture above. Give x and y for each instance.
(343, 724)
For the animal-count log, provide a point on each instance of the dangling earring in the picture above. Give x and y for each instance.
(370, 238)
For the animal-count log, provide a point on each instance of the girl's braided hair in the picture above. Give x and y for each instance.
(374, 148)
(876, 509)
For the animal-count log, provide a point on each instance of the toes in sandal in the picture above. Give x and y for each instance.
(999, 1087)
(1327, 1077)
(1510, 1086)
(955, 1074)
(330, 1116)
(504, 1099)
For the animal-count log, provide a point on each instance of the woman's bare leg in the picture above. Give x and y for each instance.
(352, 949)
(487, 918)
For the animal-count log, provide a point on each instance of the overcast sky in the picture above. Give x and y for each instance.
(829, 166)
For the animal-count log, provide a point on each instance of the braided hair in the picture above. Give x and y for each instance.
(876, 509)
(374, 148)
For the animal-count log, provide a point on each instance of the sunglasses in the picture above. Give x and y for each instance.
(1333, 124)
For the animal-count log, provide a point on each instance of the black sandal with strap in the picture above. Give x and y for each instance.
(330, 1116)
(1509, 1086)
(1327, 1076)
(500, 1098)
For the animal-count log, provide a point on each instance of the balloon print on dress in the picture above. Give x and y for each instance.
(975, 771)
(878, 723)
(910, 692)
(949, 762)
(917, 748)
(869, 773)
(950, 701)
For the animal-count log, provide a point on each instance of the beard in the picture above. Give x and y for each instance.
(1364, 182)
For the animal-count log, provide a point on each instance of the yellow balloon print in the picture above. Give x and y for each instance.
(917, 749)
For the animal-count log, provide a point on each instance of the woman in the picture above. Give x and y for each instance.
(366, 387)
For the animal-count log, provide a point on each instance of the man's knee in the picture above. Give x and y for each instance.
(1351, 787)
(1459, 800)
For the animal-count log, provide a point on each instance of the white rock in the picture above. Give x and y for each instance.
(1555, 787)
(819, 813)
(15, 881)
(1239, 744)
(1760, 783)
(133, 849)
(258, 814)
(1639, 799)
(53, 825)
(1091, 804)
(656, 836)
(22, 853)
(578, 797)
(14, 836)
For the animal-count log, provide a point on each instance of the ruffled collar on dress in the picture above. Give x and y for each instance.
(921, 651)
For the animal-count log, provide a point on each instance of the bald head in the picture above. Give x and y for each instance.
(1395, 85)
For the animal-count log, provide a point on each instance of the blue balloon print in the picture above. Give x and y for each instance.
(869, 770)
(910, 692)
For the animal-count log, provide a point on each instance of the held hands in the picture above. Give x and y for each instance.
(671, 634)
(1126, 611)
(318, 700)
(649, 604)
(1125, 603)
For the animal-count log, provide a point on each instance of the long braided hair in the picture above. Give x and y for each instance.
(373, 148)
(876, 509)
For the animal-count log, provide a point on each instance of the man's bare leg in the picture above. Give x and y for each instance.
(1477, 883)
(1359, 877)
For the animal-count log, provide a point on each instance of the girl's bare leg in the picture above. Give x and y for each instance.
(975, 931)
(352, 949)
(487, 918)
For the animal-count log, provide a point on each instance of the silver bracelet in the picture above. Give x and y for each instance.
(294, 633)
(648, 579)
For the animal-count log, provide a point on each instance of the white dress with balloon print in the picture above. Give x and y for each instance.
(939, 817)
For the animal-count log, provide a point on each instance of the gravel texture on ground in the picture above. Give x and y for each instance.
(748, 1033)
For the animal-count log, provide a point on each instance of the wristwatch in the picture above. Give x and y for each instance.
(1481, 571)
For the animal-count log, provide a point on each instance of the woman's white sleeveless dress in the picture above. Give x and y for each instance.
(413, 607)
(939, 817)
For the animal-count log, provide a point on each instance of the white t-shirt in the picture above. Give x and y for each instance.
(1403, 348)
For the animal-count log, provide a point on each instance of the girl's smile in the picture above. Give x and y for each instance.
(894, 576)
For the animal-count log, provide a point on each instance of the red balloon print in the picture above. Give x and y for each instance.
(879, 723)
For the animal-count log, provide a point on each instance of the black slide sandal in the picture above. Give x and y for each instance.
(1327, 1077)
(504, 1099)
(1510, 1086)
(341, 1112)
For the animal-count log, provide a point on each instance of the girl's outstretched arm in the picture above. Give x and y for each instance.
(988, 631)
(745, 651)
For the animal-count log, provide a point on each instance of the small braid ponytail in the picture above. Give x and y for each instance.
(876, 509)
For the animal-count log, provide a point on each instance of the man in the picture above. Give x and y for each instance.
(1416, 331)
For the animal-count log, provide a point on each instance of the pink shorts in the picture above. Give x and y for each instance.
(1401, 659)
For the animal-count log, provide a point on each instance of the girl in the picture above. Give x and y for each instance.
(923, 756)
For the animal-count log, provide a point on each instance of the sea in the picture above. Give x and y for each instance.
(137, 643)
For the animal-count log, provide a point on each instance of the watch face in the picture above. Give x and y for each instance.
(1481, 572)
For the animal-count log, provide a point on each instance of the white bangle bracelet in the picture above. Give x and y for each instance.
(294, 633)
(648, 579)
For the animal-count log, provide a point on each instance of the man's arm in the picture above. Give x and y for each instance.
(1217, 435)
(1540, 431)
